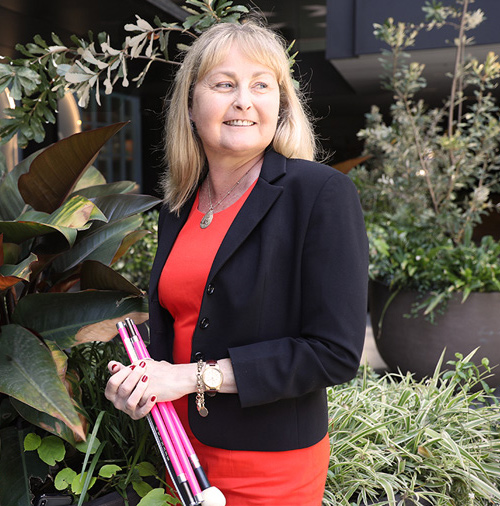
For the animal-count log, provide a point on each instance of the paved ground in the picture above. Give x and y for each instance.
(370, 354)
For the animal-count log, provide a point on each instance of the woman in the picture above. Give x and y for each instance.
(258, 289)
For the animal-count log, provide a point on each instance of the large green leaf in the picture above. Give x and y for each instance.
(97, 276)
(98, 243)
(60, 317)
(10, 275)
(20, 231)
(73, 215)
(16, 468)
(128, 241)
(55, 172)
(106, 189)
(90, 177)
(45, 421)
(116, 207)
(28, 373)
(11, 252)
(11, 202)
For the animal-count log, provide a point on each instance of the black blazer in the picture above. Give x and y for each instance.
(285, 300)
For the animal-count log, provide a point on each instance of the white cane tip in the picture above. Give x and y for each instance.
(212, 496)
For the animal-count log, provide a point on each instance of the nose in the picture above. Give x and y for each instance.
(243, 100)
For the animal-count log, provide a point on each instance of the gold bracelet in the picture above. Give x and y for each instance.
(200, 391)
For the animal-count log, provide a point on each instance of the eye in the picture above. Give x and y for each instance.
(261, 86)
(224, 85)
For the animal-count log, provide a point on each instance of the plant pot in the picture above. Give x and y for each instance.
(414, 344)
(406, 502)
(115, 499)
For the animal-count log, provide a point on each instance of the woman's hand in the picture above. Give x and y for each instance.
(134, 389)
(127, 389)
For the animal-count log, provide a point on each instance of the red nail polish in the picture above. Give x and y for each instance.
(153, 398)
(114, 366)
(132, 367)
(144, 378)
(143, 364)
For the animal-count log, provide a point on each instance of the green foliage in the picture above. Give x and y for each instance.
(51, 450)
(136, 264)
(15, 463)
(157, 497)
(437, 439)
(414, 259)
(433, 171)
(48, 70)
(51, 239)
(119, 452)
(208, 13)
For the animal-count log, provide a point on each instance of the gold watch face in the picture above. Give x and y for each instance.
(212, 378)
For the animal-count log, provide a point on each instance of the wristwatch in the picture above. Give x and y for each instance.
(212, 377)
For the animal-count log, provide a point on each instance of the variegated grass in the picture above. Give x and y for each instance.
(395, 438)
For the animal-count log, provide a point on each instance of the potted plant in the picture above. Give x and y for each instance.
(119, 463)
(62, 227)
(397, 441)
(430, 181)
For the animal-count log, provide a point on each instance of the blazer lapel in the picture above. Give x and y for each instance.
(254, 209)
(170, 228)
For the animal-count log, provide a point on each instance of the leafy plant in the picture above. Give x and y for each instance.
(49, 70)
(61, 228)
(433, 171)
(437, 439)
(416, 260)
(119, 454)
(136, 264)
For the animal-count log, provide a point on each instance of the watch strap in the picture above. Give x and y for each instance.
(200, 390)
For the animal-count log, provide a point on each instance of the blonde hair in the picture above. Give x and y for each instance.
(184, 155)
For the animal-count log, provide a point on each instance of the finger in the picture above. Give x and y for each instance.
(130, 381)
(145, 408)
(116, 381)
(114, 367)
(134, 400)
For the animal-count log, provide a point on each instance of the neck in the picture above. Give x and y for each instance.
(228, 182)
(225, 174)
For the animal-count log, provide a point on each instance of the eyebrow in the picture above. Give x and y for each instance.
(254, 75)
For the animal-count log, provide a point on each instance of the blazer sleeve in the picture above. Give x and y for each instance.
(334, 277)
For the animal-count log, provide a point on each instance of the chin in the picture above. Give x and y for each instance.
(245, 147)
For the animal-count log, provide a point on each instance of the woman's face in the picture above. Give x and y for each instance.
(235, 108)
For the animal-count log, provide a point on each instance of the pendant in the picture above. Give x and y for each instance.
(207, 219)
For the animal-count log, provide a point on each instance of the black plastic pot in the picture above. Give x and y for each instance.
(406, 502)
(415, 345)
(115, 499)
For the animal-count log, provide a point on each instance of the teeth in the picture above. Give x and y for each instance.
(239, 122)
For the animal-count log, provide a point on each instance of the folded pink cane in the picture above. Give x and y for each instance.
(175, 448)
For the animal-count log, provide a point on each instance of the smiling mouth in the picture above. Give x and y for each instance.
(239, 122)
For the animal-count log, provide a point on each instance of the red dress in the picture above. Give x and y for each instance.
(247, 478)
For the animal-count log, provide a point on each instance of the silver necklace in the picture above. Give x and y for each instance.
(209, 215)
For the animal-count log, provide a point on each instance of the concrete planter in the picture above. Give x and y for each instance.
(415, 345)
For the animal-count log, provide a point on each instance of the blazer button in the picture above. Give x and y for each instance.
(199, 356)
(204, 323)
(210, 289)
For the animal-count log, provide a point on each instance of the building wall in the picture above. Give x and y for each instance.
(350, 25)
